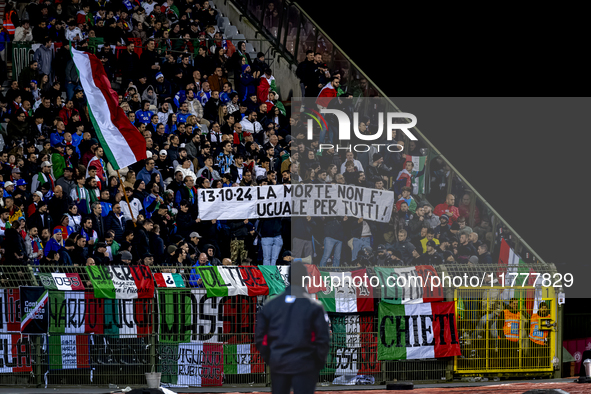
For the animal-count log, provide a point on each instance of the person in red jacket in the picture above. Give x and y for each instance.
(448, 209)
(328, 92)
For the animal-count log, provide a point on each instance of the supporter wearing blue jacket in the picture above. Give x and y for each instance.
(144, 115)
(194, 277)
(247, 83)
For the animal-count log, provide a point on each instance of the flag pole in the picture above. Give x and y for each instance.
(126, 199)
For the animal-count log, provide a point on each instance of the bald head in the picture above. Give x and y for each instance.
(90, 261)
(203, 259)
(226, 261)
(58, 191)
(450, 199)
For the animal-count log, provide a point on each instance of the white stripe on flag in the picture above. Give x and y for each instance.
(60, 281)
(128, 326)
(69, 352)
(76, 308)
(420, 349)
(244, 356)
(229, 276)
(116, 142)
(345, 296)
(168, 280)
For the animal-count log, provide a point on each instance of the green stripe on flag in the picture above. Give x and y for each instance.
(103, 288)
(109, 155)
(55, 352)
(327, 297)
(211, 280)
(230, 354)
(273, 278)
(388, 336)
(56, 301)
(47, 281)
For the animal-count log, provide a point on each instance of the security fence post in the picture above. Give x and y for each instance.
(38, 369)
(558, 335)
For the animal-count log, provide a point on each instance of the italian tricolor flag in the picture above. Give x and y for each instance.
(242, 358)
(69, 352)
(418, 182)
(122, 142)
(511, 264)
(169, 280)
(346, 292)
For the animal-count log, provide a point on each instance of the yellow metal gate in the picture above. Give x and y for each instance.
(505, 330)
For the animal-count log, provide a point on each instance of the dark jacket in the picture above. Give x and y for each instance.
(485, 258)
(405, 248)
(113, 223)
(292, 334)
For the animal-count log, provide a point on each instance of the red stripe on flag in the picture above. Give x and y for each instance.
(428, 272)
(76, 281)
(143, 310)
(445, 330)
(254, 280)
(134, 139)
(159, 278)
(315, 277)
(144, 281)
(257, 365)
(82, 351)
(503, 258)
(212, 364)
(94, 314)
(364, 292)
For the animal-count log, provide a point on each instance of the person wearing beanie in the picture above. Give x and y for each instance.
(292, 334)
(377, 170)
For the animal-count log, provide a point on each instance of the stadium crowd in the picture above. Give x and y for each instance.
(212, 117)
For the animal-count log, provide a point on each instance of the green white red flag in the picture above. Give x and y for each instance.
(122, 142)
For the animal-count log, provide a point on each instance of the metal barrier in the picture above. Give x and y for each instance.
(498, 339)
(196, 340)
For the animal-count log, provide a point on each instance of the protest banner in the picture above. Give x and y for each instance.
(257, 202)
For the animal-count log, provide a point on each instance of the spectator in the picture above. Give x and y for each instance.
(448, 209)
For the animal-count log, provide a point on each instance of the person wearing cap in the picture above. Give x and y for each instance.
(126, 257)
(194, 238)
(292, 334)
(8, 189)
(100, 254)
(431, 257)
(66, 182)
(377, 170)
(443, 228)
(21, 189)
